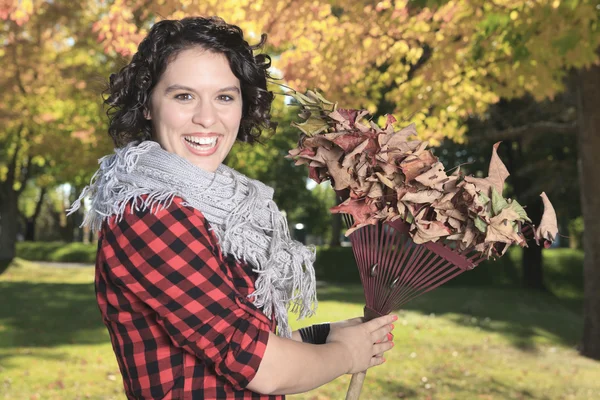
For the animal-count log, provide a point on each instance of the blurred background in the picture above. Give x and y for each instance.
(468, 73)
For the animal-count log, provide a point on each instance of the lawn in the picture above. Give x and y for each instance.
(454, 343)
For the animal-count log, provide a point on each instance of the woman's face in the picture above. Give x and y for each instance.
(196, 108)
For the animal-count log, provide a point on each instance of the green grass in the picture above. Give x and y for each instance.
(57, 251)
(336, 265)
(478, 342)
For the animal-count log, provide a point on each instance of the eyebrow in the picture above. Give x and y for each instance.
(176, 87)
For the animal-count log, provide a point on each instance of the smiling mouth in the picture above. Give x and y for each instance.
(202, 143)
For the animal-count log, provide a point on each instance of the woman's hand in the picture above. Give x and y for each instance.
(352, 346)
(356, 321)
(365, 342)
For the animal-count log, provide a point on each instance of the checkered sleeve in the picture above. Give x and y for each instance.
(171, 261)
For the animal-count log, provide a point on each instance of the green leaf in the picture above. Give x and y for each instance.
(300, 98)
(480, 224)
(516, 207)
(484, 199)
(498, 202)
(314, 100)
(323, 103)
(312, 126)
(567, 41)
(494, 22)
(38, 160)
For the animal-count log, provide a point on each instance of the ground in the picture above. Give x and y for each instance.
(452, 343)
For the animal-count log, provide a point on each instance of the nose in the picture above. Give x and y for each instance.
(205, 114)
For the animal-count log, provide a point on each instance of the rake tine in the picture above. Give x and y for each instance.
(415, 282)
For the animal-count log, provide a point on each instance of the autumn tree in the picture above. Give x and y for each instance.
(50, 82)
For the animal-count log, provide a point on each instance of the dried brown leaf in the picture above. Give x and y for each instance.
(385, 180)
(429, 231)
(390, 174)
(375, 191)
(348, 142)
(349, 159)
(497, 172)
(434, 178)
(483, 185)
(455, 223)
(501, 228)
(396, 139)
(548, 228)
(421, 197)
(470, 234)
(341, 178)
(317, 141)
(415, 164)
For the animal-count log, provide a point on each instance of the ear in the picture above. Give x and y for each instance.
(147, 114)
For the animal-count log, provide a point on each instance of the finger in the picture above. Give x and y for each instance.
(381, 333)
(376, 361)
(388, 337)
(377, 323)
(381, 348)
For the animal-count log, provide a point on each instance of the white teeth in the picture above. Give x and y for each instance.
(201, 141)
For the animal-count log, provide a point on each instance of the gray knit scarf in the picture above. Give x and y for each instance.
(240, 210)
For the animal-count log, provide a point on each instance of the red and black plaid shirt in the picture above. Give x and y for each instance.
(176, 308)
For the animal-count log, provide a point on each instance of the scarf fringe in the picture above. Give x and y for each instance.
(241, 212)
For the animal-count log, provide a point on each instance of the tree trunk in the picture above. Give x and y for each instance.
(588, 83)
(532, 258)
(533, 276)
(30, 222)
(8, 225)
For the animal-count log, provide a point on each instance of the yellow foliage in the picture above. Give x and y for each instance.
(436, 65)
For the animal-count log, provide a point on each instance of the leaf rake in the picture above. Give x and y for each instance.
(394, 270)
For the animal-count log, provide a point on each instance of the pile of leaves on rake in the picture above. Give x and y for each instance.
(385, 174)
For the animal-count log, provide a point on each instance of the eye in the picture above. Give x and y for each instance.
(226, 98)
(183, 96)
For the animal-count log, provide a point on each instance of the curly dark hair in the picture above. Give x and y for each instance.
(129, 90)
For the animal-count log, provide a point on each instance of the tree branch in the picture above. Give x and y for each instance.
(39, 204)
(26, 176)
(12, 166)
(17, 69)
(531, 129)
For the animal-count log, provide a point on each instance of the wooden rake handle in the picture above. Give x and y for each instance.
(356, 383)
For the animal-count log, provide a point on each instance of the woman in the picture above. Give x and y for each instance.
(195, 268)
